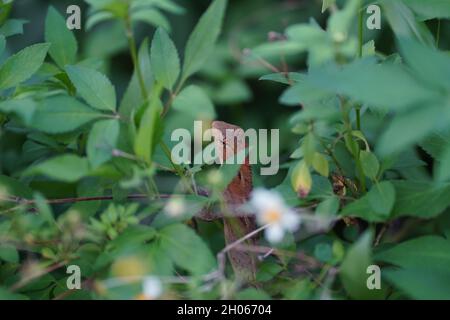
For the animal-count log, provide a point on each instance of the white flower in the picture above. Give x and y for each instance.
(152, 288)
(271, 210)
(175, 207)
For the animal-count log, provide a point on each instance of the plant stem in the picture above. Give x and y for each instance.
(360, 54)
(353, 147)
(134, 56)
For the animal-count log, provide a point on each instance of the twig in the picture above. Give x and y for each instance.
(24, 281)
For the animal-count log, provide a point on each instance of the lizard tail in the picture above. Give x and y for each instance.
(243, 263)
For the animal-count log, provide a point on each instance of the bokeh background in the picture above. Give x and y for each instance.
(232, 81)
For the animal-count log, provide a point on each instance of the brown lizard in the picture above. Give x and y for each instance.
(236, 194)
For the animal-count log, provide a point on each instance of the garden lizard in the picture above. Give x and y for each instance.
(236, 194)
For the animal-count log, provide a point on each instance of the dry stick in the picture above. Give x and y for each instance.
(24, 281)
(22, 201)
(268, 250)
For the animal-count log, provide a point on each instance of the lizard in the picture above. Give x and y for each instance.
(236, 194)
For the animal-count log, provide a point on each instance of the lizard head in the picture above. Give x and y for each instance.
(229, 139)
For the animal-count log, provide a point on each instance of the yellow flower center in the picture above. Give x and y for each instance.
(272, 216)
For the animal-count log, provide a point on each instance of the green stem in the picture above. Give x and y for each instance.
(353, 147)
(134, 56)
(360, 31)
(360, 54)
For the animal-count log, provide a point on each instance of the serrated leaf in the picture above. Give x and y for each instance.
(423, 266)
(164, 59)
(385, 86)
(430, 64)
(320, 164)
(22, 65)
(353, 270)
(404, 24)
(133, 98)
(147, 135)
(428, 252)
(201, 41)
(194, 101)
(152, 17)
(63, 114)
(12, 27)
(94, 87)
(328, 207)
(187, 249)
(370, 164)
(23, 108)
(66, 168)
(410, 127)
(101, 142)
(64, 45)
(430, 9)
(420, 198)
(382, 197)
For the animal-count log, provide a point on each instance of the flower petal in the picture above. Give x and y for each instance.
(152, 287)
(274, 233)
(290, 220)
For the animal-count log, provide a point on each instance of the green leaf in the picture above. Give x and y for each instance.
(420, 284)
(429, 253)
(202, 39)
(385, 86)
(14, 188)
(164, 59)
(341, 21)
(327, 4)
(12, 27)
(147, 135)
(133, 98)
(370, 164)
(430, 9)
(382, 198)
(22, 65)
(23, 108)
(194, 101)
(66, 168)
(320, 164)
(367, 207)
(9, 253)
(420, 199)
(102, 141)
(252, 294)
(442, 171)
(152, 17)
(424, 267)
(63, 114)
(187, 249)
(404, 24)
(2, 44)
(328, 207)
(64, 45)
(44, 208)
(5, 294)
(410, 127)
(353, 270)
(430, 64)
(94, 87)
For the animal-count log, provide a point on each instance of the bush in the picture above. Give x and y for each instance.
(91, 197)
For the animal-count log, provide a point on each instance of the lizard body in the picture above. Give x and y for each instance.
(236, 194)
